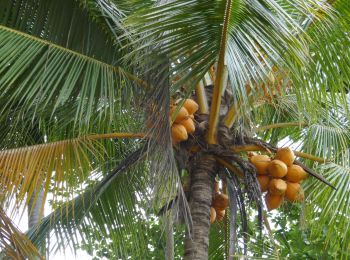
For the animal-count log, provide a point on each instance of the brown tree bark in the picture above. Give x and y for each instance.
(201, 192)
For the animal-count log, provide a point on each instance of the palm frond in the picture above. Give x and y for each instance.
(108, 205)
(57, 76)
(329, 74)
(43, 19)
(57, 166)
(53, 70)
(331, 208)
(15, 244)
(190, 32)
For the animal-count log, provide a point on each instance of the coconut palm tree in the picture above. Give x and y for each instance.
(86, 88)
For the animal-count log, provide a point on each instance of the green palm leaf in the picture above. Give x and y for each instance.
(108, 205)
(57, 76)
(50, 64)
(190, 33)
(331, 209)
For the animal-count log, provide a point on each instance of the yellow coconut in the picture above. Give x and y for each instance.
(296, 173)
(264, 182)
(178, 133)
(261, 162)
(220, 201)
(277, 169)
(286, 155)
(181, 115)
(294, 192)
(212, 215)
(273, 201)
(189, 125)
(220, 214)
(191, 106)
(277, 187)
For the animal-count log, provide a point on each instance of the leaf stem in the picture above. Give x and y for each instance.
(280, 125)
(85, 137)
(202, 98)
(219, 80)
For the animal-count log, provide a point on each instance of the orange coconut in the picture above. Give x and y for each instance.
(261, 162)
(181, 115)
(178, 133)
(277, 187)
(296, 173)
(220, 214)
(189, 125)
(191, 106)
(286, 155)
(264, 182)
(277, 169)
(273, 201)
(220, 201)
(294, 192)
(212, 215)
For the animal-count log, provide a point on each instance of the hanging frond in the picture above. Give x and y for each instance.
(58, 166)
(109, 206)
(14, 244)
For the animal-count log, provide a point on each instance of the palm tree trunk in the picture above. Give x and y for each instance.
(202, 183)
(36, 213)
(169, 249)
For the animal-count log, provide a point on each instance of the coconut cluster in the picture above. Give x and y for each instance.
(183, 123)
(279, 177)
(218, 205)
